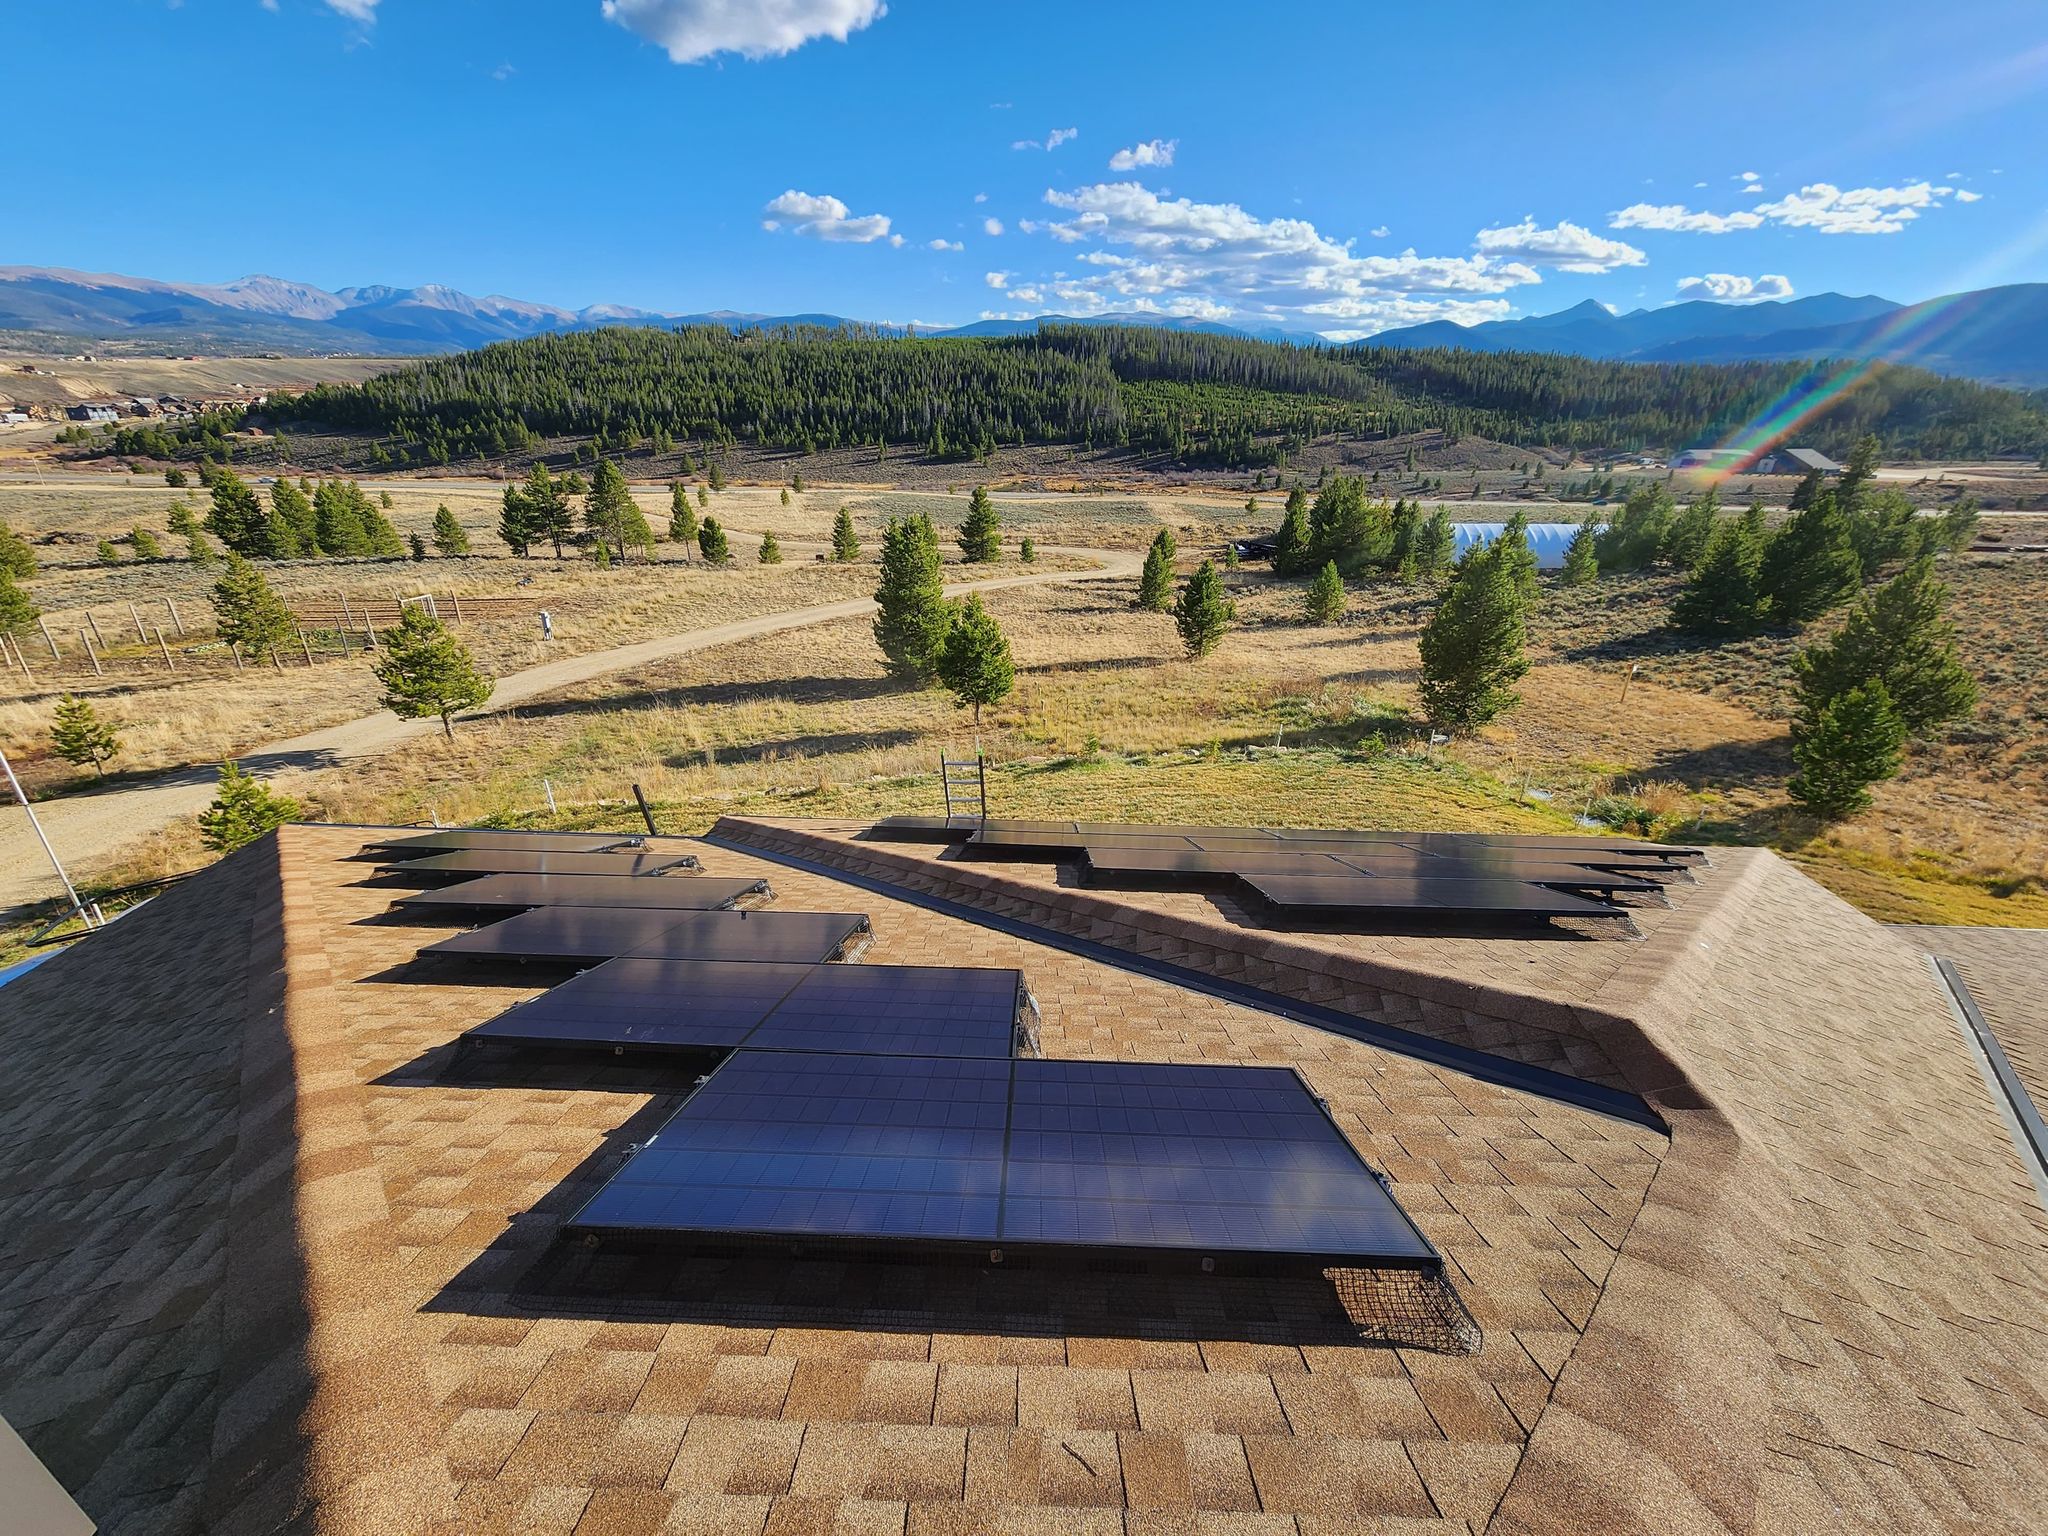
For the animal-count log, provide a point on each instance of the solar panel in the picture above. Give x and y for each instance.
(1483, 897)
(785, 1145)
(1210, 1158)
(514, 861)
(898, 1010)
(701, 894)
(1153, 864)
(1024, 1157)
(450, 839)
(590, 933)
(649, 1005)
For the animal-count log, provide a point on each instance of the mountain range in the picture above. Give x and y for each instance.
(1997, 335)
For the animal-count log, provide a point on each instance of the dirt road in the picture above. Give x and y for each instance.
(88, 828)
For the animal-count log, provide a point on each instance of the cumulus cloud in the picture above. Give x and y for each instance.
(997, 279)
(981, 197)
(1051, 141)
(943, 244)
(1964, 195)
(1151, 152)
(1728, 288)
(691, 30)
(354, 10)
(1380, 232)
(1567, 247)
(1142, 252)
(1745, 176)
(991, 226)
(824, 218)
(1819, 206)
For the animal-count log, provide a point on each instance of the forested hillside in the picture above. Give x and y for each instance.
(1194, 398)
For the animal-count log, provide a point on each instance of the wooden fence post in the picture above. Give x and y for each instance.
(306, 646)
(180, 623)
(235, 650)
(95, 623)
(456, 599)
(49, 640)
(169, 665)
(97, 669)
(141, 634)
(21, 656)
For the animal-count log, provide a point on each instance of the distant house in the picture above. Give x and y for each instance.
(95, 410)
(1725, 459)
(13, 418)
(1796, 461)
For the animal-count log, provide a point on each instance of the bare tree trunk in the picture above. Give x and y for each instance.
(447, 729)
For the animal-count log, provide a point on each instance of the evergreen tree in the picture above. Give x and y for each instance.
(546, 503)
(1203, 611)
(81, 737)
(1689, 533)
(417, 547)
(1858, 474)
(796, 481)
(1346, 526)
(1897, 635)
(181, 521)
(845, 542)
(17, 608)
(237, 518)
(974, 661)
(771, 552)
(1959, 525)
(1405, 527)
(243, 810)
(1436, 545)
(714, 475)
(703, 497)
(1290, 544)
(1885, 527)
(1026, 550)
(785, 495)
(1632, 538)
(515, 527)
(1809, 566)
(682, 518)
(1809, 490)
(449, 539)
(981, 533)
(425, 670)
(106, 554)
(1581, 564)
(606, 507)
(16, 558)
(1472, 646)
(1155, 581)
(712, 543)
(912, 615)
(294, 534)
(174, 478)
(1721, 597)
(1512, 550)
(146, 546)
(1324, 601)
(1844, 746)
(246, 612)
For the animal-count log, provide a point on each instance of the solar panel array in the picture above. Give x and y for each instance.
(454, 839)
(701, 893)
(669, 1005)
(1378, 877)
(604, 933)
(467, 863)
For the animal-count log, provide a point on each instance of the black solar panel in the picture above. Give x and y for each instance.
(450, 839)
(1215, 1159)
(589, 933)
(1483, 897)
(517, 861)
(1109, 862)
(1025, 1156)
(897, 1010)
(820, 1146)
(702, 894)
(649, 1005)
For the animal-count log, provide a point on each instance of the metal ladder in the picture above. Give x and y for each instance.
(966, 787)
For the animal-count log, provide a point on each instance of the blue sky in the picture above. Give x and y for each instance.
(1328, 167)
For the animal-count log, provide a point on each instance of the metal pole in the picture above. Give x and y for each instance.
(22, 795)
(645, 813)
(180, 623)
(548, 789)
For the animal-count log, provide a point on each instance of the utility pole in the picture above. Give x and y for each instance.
(22, 795)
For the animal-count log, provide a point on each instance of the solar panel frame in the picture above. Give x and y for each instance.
(703, 893)
(1496, 898)
(450, 839)
(466, 863)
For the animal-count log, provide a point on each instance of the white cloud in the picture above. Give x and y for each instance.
(1728, 288)
(755, 29)
(1380, 232)
(981, 197)
(991, 226)
(1568, 247)
(943, 244)
(1675, 216)
(1964, 195)
(1745, 176)
(824, 218)
(354, 10)
(1754, 189)
(896, 242)
(1060, 136)
(997, 279)
(1151, 152)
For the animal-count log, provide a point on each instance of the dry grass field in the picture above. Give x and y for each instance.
(61, 380)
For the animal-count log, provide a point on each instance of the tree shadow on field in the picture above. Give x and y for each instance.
(829, 744)
(1764, 760)
(1098, 664)
(793, 690)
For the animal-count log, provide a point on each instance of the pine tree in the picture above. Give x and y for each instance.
(243, 809)
(1807, 491)
(974, 660)
(682, 517)
(1721, 596)
(1324, 601)
(1897, 635)
(1581, 564)
(703, 497)
(771, 552)
(712, 543)
(1155, 581)
(1436, 545)
(1472, 646)
(1857, 474)
(449, 539)
(1809, 566)
(1203, 612)
(17, 608)
(294, 533)
(1688, 534)
(237, 518)
(515, 527)
(425, 671)
(416, 546)
(106, 554)
(981, 533)
(1959, 524)
(1633, 536)
(246, 612)
(610, 515)
(796, 481)
(845, 542)
(81, 737)
(546, 506)
(1026, 550)
(912, 615)
(1290, 543)
(715, 476)
(174, 478)
(785, 495)
(181, 520)
(146, 546)
(1844, 746)
(16, 558)
(1512, 550)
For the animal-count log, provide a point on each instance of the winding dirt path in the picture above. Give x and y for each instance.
(88, 828)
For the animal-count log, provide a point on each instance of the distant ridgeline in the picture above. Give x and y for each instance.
(1195, 398)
